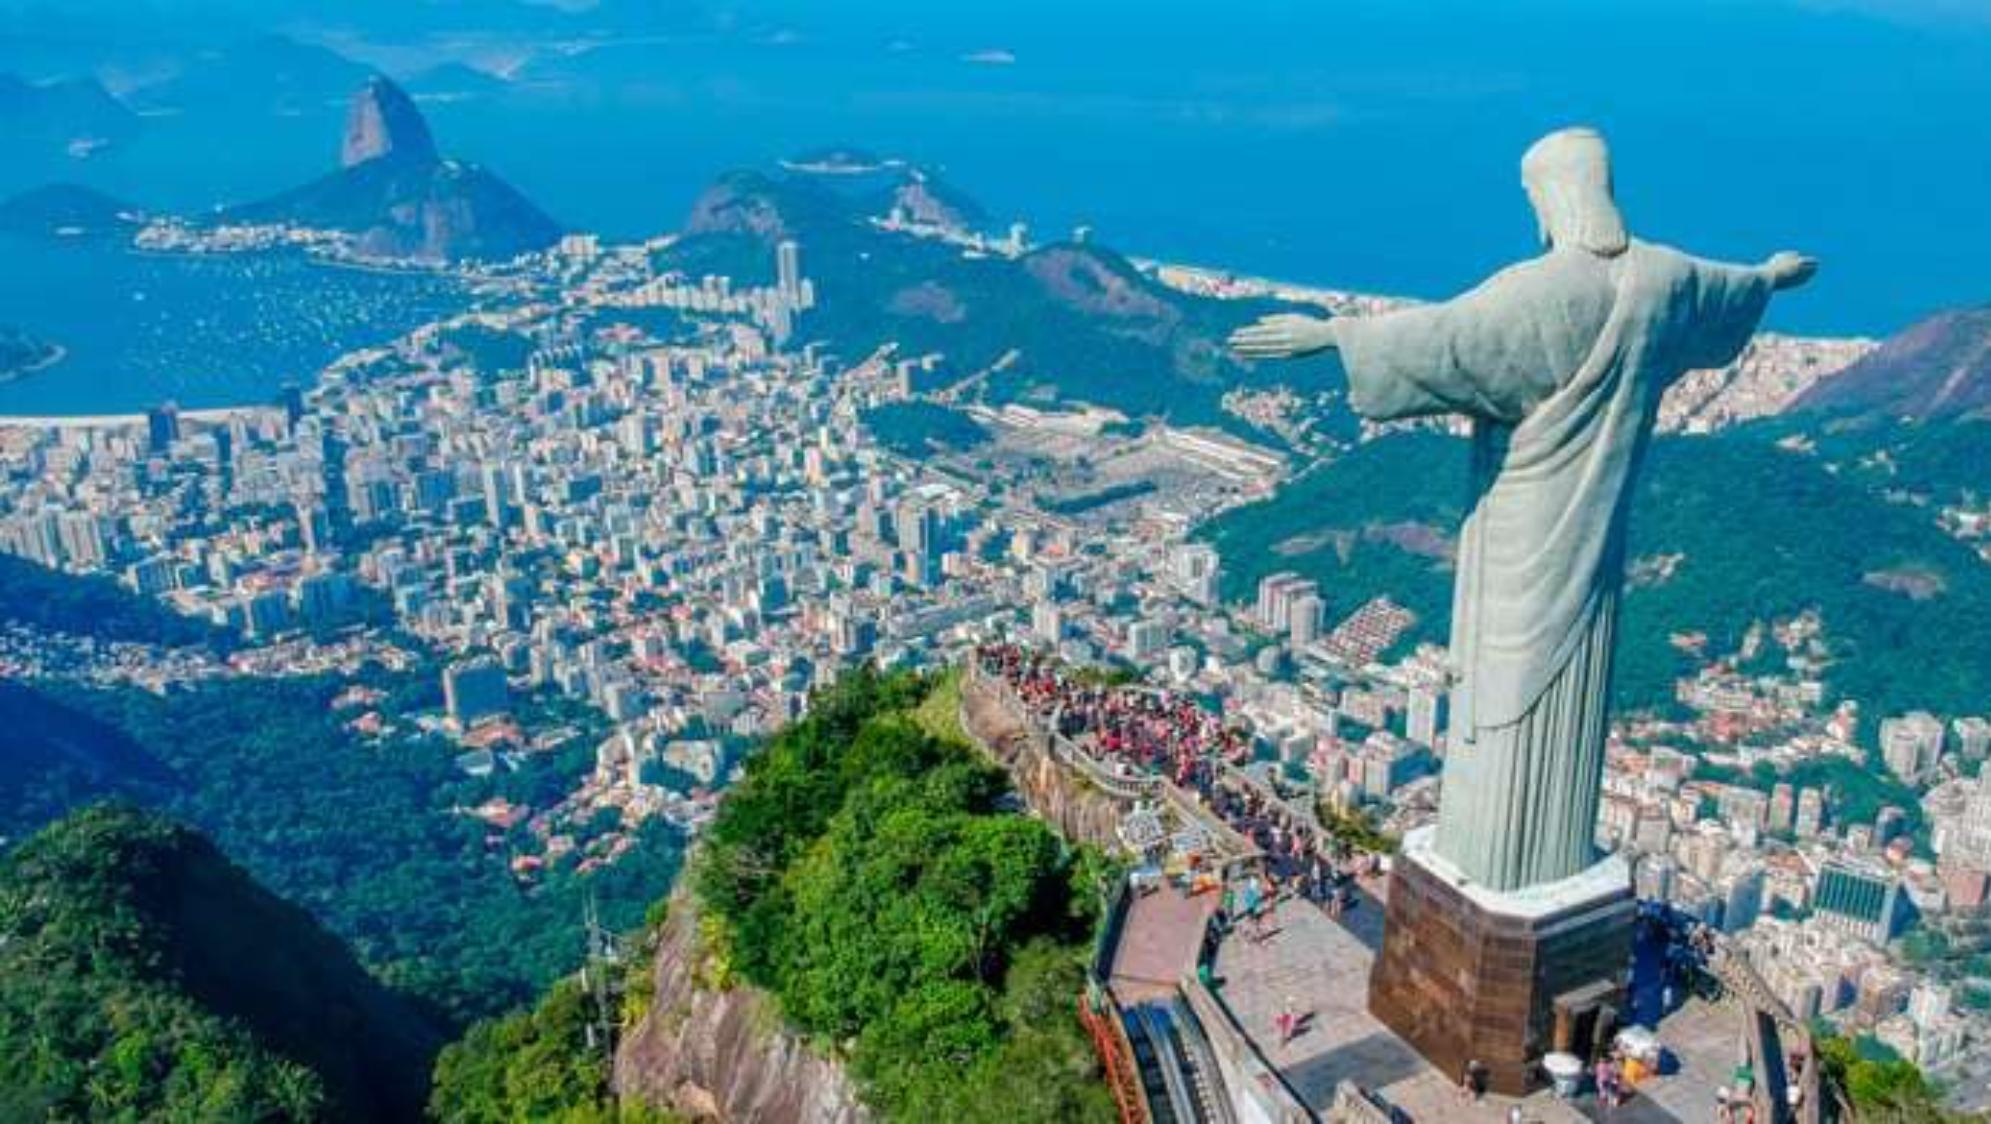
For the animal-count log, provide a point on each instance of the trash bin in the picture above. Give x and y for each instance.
(1565, 1073)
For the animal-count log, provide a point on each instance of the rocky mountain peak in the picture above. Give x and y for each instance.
(399, 198)
(383, 122)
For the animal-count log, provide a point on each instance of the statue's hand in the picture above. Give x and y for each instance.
(1283, 335)
(1789, 269)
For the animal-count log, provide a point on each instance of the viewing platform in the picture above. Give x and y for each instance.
(1227, 1020)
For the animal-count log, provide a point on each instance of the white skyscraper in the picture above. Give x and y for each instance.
(1047, 622)
(1303, 618)
(788, 272)
(1911, 744)
(1422, 715)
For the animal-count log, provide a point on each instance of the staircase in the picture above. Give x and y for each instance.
(1766, 1021)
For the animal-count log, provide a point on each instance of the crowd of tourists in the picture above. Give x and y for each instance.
(1167, 733)
(1156, 730)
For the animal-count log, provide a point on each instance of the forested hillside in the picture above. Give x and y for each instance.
(865, 875)
(145, 977)
(366, 833)
(1734, 528)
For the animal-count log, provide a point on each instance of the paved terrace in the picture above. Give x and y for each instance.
(1159, 943)
(1321, 967)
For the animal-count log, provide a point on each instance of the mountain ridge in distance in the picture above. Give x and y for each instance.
(265, 73)
(54, 117)
(451, 81)
(1936, 368)
(1083, 324)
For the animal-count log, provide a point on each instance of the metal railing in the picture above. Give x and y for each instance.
(1820, 1101)
(1099, 1013)
(1127, 786)
(1247, 1075)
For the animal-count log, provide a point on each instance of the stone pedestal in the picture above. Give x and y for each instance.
(1470, 974)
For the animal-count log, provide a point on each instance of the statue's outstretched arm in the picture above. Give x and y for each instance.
(1480, 353)
(1728, 304)
(1283, 335)
(1787, 269)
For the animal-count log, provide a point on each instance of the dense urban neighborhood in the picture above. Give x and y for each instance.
(650, 494)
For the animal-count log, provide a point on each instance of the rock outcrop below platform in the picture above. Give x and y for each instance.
(722, 1055)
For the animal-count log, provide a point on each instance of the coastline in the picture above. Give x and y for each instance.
(1195, 279)
(216, 415)
(385, 267)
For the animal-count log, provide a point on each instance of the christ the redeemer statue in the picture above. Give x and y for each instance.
(1559, 362)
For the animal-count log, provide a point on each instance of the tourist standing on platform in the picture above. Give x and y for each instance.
(1285, 1021)
(1254, 927)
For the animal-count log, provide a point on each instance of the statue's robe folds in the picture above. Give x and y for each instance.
(1560, 362)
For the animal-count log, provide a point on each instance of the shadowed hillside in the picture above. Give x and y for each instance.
(144, 976)
(59, 757)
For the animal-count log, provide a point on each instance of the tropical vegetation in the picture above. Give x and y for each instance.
(865, 874)
(144, 977)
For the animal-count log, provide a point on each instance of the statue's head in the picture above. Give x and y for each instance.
(1568, 178)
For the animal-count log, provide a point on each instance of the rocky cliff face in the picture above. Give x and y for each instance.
(1063, 799)
(1102, 285)
(383, 123)
(926, 200)
(766, 209)
(722, 1055)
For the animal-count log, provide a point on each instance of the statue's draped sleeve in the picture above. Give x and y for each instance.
(1489, 353)
(1724, 304)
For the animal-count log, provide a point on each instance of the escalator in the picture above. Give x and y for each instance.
(1175, 1066)
(1151, 1062)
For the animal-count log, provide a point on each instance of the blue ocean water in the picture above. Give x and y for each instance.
(140, 329)
(1363, 144)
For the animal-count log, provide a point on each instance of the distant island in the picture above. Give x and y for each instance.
(22, 354)
(840, 160)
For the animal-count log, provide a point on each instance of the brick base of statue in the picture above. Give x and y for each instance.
(1471, 975)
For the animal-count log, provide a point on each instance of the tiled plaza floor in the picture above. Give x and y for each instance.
(1321, 968)
(1159, 942)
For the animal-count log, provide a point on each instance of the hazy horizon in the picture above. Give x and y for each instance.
(1364, 147)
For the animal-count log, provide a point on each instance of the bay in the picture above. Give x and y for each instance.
(140, 329)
